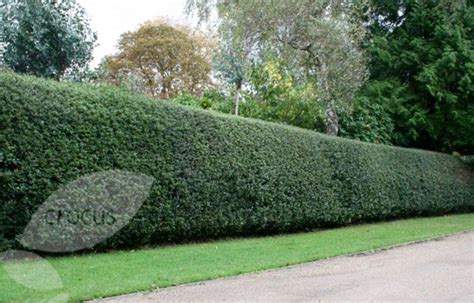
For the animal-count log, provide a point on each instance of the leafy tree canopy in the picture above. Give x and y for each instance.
(320, 40)
(163, 59)
(45, 38)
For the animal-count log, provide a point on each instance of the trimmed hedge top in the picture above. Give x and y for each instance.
(215, 175)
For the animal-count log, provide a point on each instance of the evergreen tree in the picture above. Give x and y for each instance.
(424, 51)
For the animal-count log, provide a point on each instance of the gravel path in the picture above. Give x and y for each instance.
(434, 271)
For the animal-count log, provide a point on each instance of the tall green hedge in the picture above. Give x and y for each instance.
(215, 175)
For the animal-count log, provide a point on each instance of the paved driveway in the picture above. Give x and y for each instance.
(435, 271)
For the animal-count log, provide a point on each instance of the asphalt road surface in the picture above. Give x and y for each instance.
(434, 271)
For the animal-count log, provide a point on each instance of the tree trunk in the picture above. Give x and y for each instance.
(60, 72)
(236, 98)
(332, 121)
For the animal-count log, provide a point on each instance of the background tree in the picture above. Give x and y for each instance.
(320, 39)
(45, 37)
(166, 58)
(422, 65)
(370, 119)
(229, 62)
(274, 95)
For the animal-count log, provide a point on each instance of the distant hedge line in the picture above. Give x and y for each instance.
(215, 175)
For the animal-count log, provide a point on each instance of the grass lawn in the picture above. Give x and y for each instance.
(101, 275)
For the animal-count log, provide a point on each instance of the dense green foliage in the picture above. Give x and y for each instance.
(215, 175)
(319, 39)
(45, 38)
(422, 65)
(420, 55)
(368, 121)
(271, 94)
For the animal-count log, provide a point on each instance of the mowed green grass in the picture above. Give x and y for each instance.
(101, 275)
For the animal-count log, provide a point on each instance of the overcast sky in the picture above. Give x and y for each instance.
(111, 18)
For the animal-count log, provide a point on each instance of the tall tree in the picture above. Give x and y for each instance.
(230, 64)
(166, 58)
(424, 51)
(320, 38)
(45, 37)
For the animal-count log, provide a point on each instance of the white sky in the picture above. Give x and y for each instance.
(111, 18)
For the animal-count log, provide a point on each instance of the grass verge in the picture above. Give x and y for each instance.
(101, 275)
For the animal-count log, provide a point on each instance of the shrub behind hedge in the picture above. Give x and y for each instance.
(215, 175)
